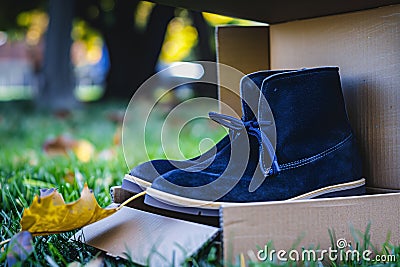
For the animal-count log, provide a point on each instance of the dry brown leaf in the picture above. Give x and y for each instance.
(48, 214)
(60, 145)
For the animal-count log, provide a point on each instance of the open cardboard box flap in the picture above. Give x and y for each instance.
(146, 238)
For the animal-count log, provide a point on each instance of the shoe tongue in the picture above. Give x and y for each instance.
(250, 88)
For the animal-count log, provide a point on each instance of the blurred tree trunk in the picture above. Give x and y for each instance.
(133, 55)
(56, 89)
(122, 42)
(204, 53)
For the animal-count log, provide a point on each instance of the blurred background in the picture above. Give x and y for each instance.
(62, 52)
(68, 70)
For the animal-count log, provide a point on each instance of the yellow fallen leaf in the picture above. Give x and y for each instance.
(83, 150)
(49, 214)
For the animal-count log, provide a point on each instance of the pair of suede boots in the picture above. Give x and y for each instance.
(294, 141)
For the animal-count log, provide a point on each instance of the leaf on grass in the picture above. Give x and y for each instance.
(48, 214)
(84, 150)
(60, 145)
(19, 248)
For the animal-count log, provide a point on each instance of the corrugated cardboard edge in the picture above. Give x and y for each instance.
(247, 228)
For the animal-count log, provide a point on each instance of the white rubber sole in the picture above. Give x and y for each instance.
(179, 201)
(140, 182)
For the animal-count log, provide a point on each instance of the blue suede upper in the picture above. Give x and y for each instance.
(315, 146)
(150, 170)
(250, 92)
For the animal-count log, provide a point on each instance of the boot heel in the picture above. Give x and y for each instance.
(358, 191)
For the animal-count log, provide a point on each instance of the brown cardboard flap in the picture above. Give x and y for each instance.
(365, 45)
(247, 229)
(147, 238)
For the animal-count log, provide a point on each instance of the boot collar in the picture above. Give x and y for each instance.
(250, 90)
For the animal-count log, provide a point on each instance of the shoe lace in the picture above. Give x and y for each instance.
(252, 126)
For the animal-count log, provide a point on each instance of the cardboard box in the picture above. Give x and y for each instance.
(365, 45)
(290, 225)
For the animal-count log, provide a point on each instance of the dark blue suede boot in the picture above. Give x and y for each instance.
(316, 153)
(144, 174)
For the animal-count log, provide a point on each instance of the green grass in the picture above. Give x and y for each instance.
(25, 168)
